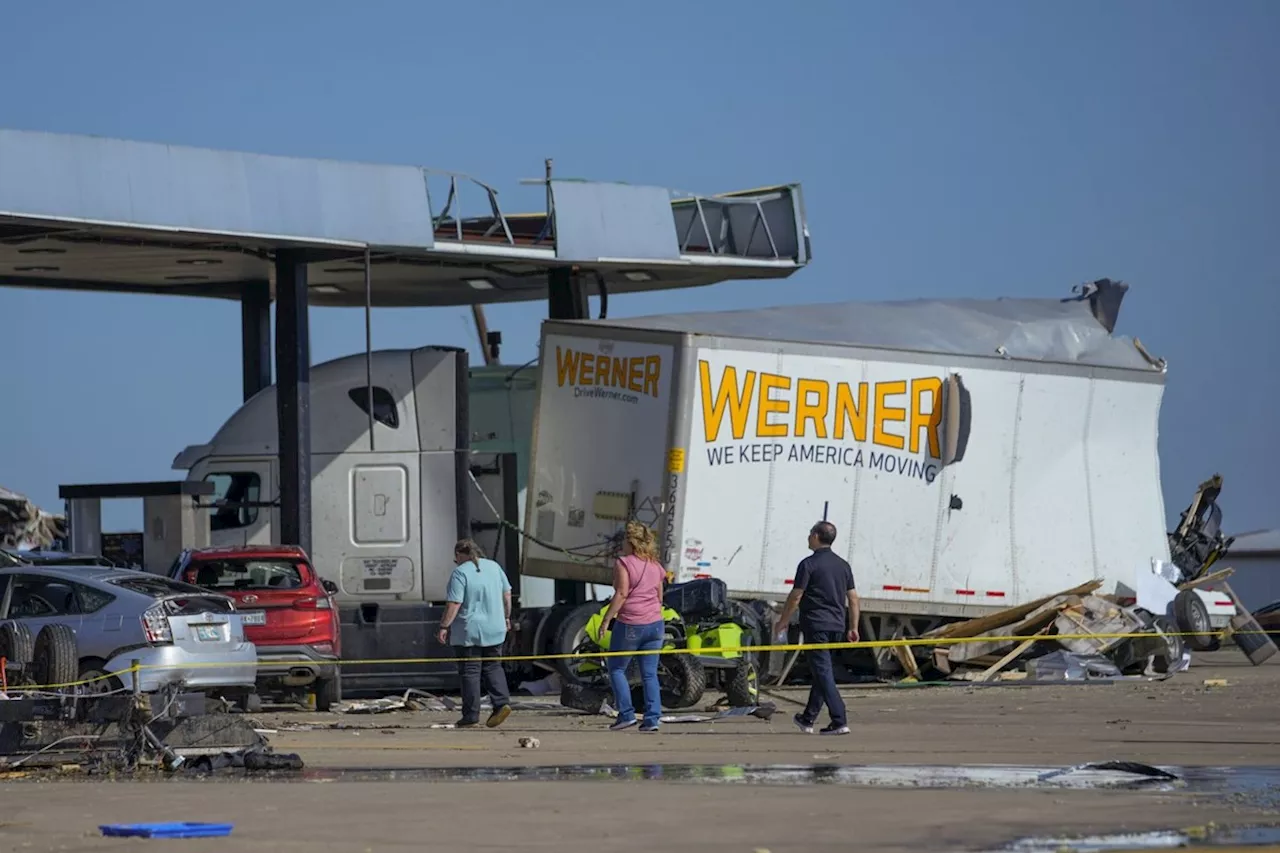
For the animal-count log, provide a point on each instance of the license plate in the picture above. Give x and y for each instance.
(254, 617)
(209, 633)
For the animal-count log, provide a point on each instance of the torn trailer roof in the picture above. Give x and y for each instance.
(1076, 330)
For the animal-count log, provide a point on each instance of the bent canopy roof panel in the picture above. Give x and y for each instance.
(83, 212)
(1076, 330)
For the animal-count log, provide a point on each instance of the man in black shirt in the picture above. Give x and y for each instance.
(824, 592)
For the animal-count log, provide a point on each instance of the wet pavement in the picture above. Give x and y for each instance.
(1260, 837)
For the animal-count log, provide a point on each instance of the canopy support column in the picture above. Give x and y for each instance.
(293, 397)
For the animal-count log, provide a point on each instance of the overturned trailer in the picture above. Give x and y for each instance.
(973, 454)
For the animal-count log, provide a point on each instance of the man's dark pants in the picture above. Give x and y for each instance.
(824, 690)
(476, 663)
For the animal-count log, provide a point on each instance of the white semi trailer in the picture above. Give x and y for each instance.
(973, 455)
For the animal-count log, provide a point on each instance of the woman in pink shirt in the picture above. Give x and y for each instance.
(637, 609)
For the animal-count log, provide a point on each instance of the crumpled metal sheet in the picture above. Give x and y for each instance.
(1065, 331)
(25, 525)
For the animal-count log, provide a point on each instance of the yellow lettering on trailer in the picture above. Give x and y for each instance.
(897, 411)
(639, 374)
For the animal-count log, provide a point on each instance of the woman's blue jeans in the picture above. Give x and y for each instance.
(636, 638)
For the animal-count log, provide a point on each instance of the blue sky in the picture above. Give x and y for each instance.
(946, 149)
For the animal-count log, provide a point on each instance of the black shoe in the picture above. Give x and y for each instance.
(802, 724)
(466, 724)
(833, 729)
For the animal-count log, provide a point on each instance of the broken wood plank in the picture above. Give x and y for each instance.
(941, 660)
(905, 656)
(1019, 649)
(1041, 617)
(983, 624)
(1212, 577)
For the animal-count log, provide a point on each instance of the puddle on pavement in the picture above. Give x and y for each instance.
(1204, 838)
(1260, 785)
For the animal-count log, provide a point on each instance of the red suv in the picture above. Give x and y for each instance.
(288, 613)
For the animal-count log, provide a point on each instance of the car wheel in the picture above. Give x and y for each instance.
(94, 680)
(1167, 660)
(55, 663)
(328, 693)
(1192, 618)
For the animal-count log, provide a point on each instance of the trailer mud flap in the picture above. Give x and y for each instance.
(376, 631)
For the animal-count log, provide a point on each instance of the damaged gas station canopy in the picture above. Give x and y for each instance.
(92, 213)
(25, 525)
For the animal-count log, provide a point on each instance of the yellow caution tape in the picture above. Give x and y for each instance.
(595, 655)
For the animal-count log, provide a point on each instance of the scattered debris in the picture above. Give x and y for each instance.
(1216, 682)
(1067, 666)
(529, 743)
(124, 732)
(1074, 636)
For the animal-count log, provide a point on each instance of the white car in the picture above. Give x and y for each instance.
(97, 622)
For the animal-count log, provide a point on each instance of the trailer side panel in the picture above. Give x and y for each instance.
(1054, 479)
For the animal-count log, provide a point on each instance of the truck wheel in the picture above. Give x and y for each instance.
(572, 637)
(16, 646)
(1192, 618)
(744, 689)
(55, 663)
(683, 680)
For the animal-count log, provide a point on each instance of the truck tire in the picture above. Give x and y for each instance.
(569, 637)
(1192, 618)
(16, 646)
(683, 680)
(744, 689)
(55, 662)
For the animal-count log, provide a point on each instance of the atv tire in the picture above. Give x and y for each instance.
(1192, 618)
(16, 646)
(744, 689)
(683, 679)
(55, 662)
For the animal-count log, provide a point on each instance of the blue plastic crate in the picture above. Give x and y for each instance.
(167, 830)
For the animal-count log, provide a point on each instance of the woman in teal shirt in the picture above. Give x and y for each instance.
(476, 620)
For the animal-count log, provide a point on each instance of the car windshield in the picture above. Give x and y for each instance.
(245, 573)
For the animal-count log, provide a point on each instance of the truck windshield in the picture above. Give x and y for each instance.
(237, 574)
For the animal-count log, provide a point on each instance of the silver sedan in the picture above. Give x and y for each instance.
(176, 633)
